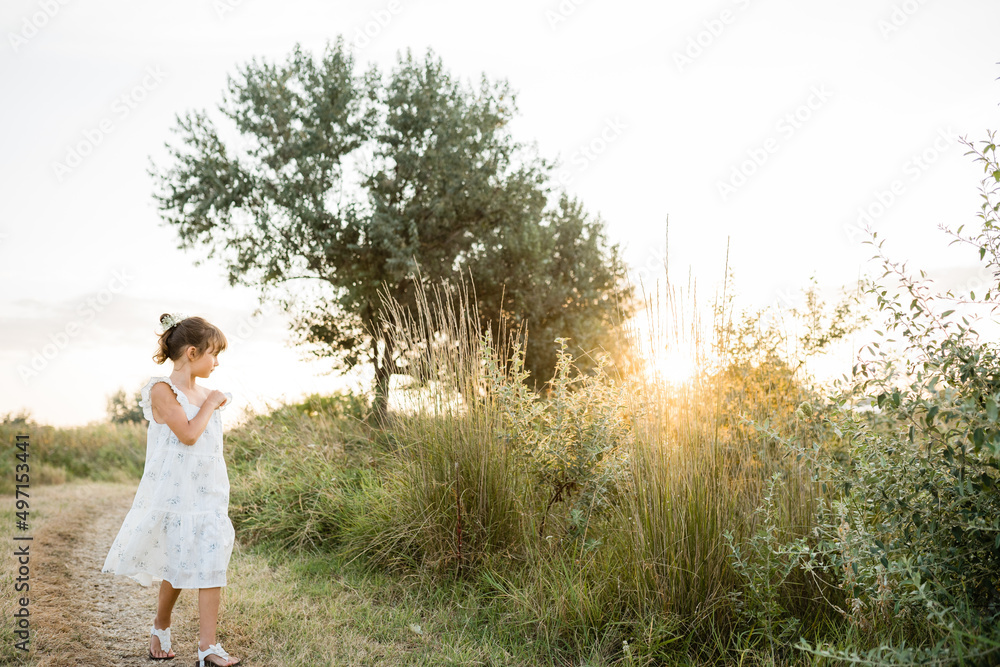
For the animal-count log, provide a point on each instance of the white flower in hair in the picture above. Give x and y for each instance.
(171, 320)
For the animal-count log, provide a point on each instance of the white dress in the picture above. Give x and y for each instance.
(178, 528)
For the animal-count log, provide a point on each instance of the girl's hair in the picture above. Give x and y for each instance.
(195, 331)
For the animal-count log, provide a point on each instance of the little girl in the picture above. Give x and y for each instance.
(178, 530)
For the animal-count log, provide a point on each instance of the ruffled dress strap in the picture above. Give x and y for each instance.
(146, 403)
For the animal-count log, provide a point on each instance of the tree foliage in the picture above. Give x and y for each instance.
(124, 409)
(351, 184)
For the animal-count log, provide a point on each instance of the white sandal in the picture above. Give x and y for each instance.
(164, 637)
(213, 649)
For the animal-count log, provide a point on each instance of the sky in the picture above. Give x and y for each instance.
(771, 133)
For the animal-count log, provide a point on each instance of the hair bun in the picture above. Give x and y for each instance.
(180, 332)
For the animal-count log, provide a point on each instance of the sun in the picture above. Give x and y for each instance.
(663, 354)
(673, 365)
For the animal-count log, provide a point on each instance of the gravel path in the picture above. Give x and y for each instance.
(81, 616)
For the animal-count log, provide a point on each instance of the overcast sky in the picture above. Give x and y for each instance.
(779, 126)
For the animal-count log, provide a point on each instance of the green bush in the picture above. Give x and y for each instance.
(911, 531)
(123, 408)
(100, 451)
(296, 471)
(597, 510)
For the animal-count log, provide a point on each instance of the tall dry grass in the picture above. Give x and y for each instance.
(489, 481)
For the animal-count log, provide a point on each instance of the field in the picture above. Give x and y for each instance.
(737, 516)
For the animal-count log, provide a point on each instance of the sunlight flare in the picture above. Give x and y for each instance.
(674, 365)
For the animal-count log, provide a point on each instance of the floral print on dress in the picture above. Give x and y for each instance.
(178, 528)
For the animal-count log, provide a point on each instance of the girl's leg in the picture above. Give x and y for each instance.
(208, 617)
(164, 607)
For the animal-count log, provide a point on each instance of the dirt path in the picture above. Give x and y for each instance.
(81, 616)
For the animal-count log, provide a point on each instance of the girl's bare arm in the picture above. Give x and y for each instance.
(167, 410)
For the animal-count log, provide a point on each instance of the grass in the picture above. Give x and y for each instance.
(102, 452)
(587, 527)
(351, 534)
(597, 524)
(351, 551)
(343, 613)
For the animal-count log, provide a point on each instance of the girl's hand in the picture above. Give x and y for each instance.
(167, 410)
(216, 397)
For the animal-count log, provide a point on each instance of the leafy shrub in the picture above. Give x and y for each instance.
(339, 405)
(123, 409)
(912, 529)
(295, 472)
(574, 443)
